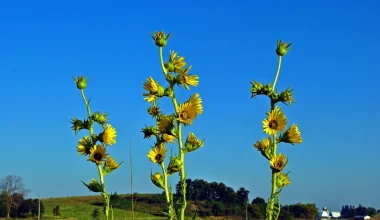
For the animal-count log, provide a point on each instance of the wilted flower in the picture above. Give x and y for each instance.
(291, 136)
(149, 131)
(157, 180)
(175, 63)
(282, 180)
(192, 143)
(154, 89)
(84, 146)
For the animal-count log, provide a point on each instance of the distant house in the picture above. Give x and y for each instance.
(335, 215)
(362, 217)
(323, 215)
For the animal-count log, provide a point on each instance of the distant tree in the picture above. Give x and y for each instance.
(95, 214)
(56, 211)
(217, 208)
(255, 211)
(260, 202)
(361, 210)
(10, 186)
(371, 211)
(242, 196)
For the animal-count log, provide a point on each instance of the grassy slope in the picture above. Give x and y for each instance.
(81, 208)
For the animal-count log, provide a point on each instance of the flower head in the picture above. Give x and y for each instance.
(81, 82)
(98, 154)
(282, 180)
(166, 125)
(192, 143)
(157, 153)
(174, 165)
(175, 63)
(282, 48)
(154, 89)
(278, 163)
(157, 180)
(108, 136)
(77, 125)
(110, 165)
(187, 80)
(168, 138)
(291, 136)
(160, 38)
(287, 97)
(99, 118)
(149, 131)
(264, 146)
(84, 146)
(188, 111)
(276, 121)
(154, 111)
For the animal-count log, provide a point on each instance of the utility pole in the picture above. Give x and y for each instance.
(130, 155)
(39, 208)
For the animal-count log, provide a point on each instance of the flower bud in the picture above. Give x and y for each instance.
(149, 131)
(282, 48)
(94, 186)
(99, 118)
(154, 111)
(282, 180)
(160, 38)
(157, 180)
(174, 165)
(169, 92)
(192, 143)
(81, 82)
(77, 125)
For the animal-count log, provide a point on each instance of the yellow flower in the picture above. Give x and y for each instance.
(98, 154)
(291, 136)
(176, 63)
(282, 180)
(263, 144)
(157, 153)
(157, 180)
(153, 88)
(278, 163)
(187, 80)
(168, 138)
(192, 143)
(111, 163)
(188, 111)
(84, 146)
(164, 123)
(276, 121)
(108, 136)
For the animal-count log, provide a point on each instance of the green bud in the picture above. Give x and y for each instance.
(170, 66)
(160, 91)
(157, 180)
(99, 118)
(160, 38)
(154, 111)
(274, 96)
(149, 131)
(86, 124)
(174, 165)
(169, 92)
(77, 125)
(282, 48)
(94, 186)
(81, 82)
(267, 89)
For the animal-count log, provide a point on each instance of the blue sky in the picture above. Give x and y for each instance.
(333, 69)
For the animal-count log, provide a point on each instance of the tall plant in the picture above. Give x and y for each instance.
(168, 127)
(97, 153)
(274, 125)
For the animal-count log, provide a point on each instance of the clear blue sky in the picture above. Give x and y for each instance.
(333, 68)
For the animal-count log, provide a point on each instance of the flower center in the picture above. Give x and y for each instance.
(158, 157)
(273, 124)
(184, 115)
(98, 156)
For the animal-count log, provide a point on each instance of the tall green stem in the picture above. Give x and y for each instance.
(182, 158)
(162, 63)
(278, 71)
(104, 193)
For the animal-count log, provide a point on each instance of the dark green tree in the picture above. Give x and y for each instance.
(56, 211)
(95, 214)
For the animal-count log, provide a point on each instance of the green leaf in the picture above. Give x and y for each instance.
(94, 186)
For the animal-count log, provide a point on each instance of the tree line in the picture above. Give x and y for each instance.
(350, 211)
